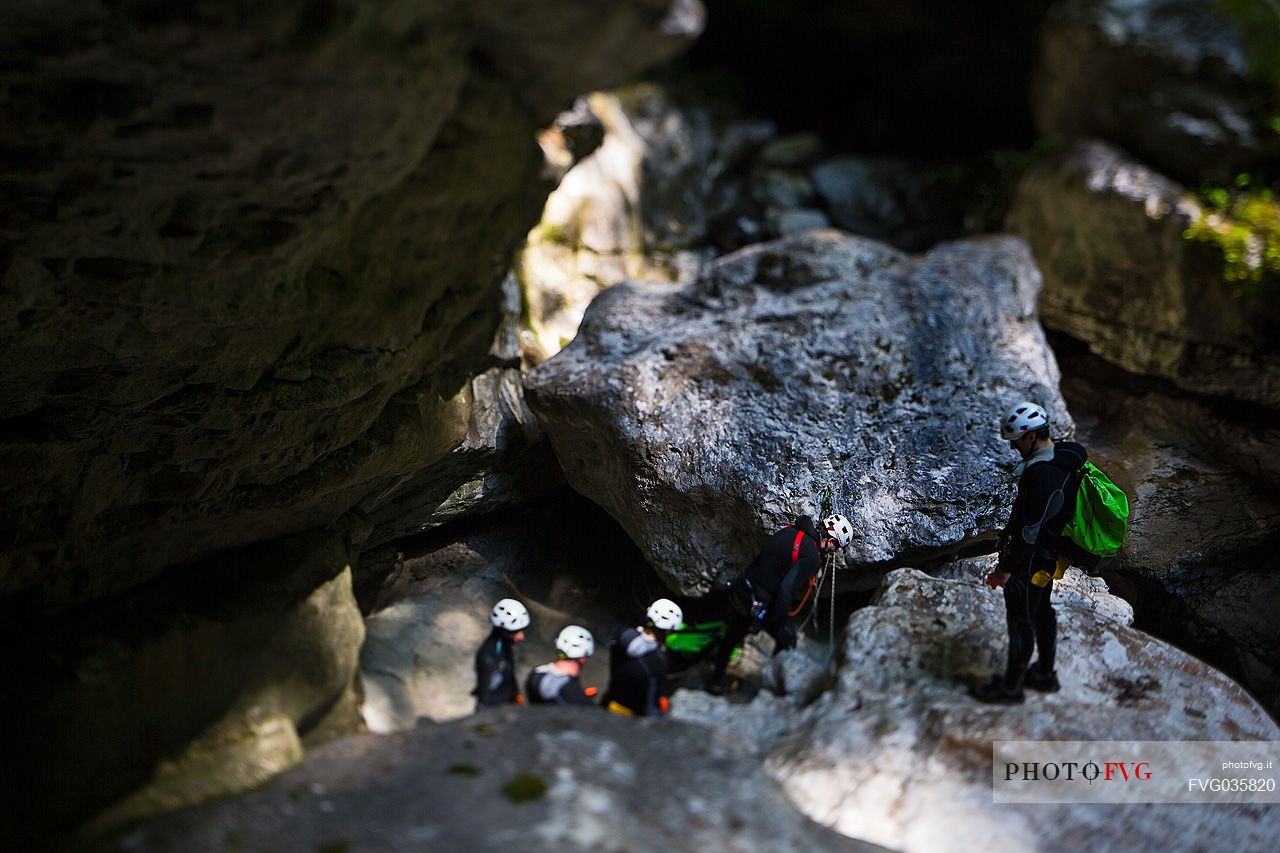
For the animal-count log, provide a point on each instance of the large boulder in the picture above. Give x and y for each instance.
(816, 367)
(1170, 80)
(250, 258)
(203, 682)
(544, 779)
(897, 753)
(1119, 274)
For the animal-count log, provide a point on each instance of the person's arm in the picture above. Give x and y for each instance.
(495, 681)
(573, 694)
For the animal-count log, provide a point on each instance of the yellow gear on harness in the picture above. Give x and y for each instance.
(1041, 578)
(618, 708)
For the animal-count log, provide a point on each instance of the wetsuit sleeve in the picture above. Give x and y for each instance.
(573, 694)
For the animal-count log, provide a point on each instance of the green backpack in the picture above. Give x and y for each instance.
(1101, 519)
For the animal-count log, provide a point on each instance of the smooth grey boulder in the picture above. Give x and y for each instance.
(703, 416)
(537, 779)
(1170, 80)
(899, 754)
(1120, 276)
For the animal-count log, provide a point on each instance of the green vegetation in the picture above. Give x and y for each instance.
(1243, 221)
(524, 788)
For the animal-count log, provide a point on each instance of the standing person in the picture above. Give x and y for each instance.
(763, 595)
(638, 663)
(495, 661)
(1031, 546)
(557, 683)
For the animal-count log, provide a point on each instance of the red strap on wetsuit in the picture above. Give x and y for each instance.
(795, 558)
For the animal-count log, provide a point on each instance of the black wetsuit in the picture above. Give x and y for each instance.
(496, 671)
(773, 579)
(1031, 543)
(548, 686)
(637, 673)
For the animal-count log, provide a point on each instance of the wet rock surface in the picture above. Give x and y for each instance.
(897, 753)
(248, 271)
(533, 779)
(823, 365)
(1118, 273)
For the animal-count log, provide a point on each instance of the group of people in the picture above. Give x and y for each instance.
(637, 663)
(1032, 555)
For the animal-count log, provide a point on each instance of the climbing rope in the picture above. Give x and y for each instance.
(828, 568)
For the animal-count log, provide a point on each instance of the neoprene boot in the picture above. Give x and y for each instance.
(1036, 680)
(1002, 690)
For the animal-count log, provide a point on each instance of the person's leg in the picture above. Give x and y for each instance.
(1006, 688)
(737, 626)
(783, 632)
(1017, 607)
(1046, 628)
(1041, 675)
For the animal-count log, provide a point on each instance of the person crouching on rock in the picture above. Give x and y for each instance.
(762, 596)
(638, 663)
(1029, 551)
(495, 661)
(557, 683)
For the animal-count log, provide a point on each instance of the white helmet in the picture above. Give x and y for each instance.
(838, 528)
(575, 642)
(1021, 419)
(510, 615)
(665, 614)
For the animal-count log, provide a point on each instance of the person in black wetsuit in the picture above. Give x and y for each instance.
(638, 663)
(495, 660)
(762, 596)
(1033, 552)
(557, 683)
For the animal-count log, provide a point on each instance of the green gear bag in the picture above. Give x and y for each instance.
(692, 639)
(1101, 519)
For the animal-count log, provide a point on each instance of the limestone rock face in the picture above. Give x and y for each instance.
(817, 366)
(198, 684)
(898, 754)
(539, 779)
(1118, 274)
(1198, 563)
(250, 258)
(643, 205)
(1074, 590)
(1168, 80)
